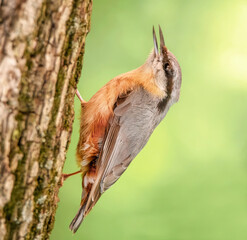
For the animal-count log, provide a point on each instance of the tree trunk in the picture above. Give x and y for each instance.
(41, 49)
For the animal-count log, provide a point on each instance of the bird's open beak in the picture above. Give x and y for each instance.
(162, 41)
(155, 43)
(163, 49)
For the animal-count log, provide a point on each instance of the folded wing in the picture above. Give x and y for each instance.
(128, 131)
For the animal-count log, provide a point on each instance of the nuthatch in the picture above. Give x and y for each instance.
(118, 120)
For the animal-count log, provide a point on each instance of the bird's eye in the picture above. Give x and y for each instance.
(168, 68)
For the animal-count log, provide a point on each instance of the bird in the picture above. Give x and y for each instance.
(118, 120)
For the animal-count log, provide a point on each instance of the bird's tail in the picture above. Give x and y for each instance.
(89, 199)
(76, 222)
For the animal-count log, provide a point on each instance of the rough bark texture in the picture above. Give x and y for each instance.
(41, 49)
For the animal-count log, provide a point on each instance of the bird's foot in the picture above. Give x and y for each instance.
(79, 96)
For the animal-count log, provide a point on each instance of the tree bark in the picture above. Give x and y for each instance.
(41, 49)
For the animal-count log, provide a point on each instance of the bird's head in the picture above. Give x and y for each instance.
(165, 68)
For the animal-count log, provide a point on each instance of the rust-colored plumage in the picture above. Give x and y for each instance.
(111, 134)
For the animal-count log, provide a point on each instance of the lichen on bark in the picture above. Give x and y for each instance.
(42, 45)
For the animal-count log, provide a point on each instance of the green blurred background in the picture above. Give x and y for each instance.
(190, 181)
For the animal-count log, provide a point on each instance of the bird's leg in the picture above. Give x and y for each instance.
(65, 176)
(79, 96)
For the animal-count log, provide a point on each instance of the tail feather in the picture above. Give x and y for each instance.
(76, 222)
(88, 201)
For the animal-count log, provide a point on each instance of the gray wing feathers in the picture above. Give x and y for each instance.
(136, 118)
(115, 173)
